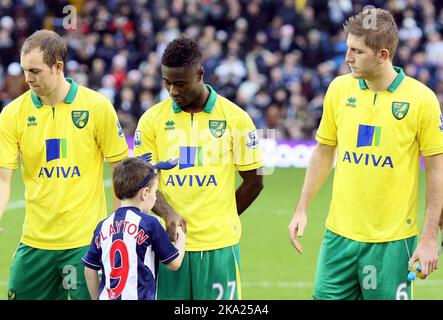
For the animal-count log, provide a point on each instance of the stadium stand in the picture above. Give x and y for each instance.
(274, 58)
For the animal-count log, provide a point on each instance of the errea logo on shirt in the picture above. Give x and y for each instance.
(32, 121)
(169, 125)
(351, 102)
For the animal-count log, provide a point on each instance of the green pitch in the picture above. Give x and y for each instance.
(271, 269)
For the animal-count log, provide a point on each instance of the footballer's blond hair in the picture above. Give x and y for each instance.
(50, 43)
(378, 28)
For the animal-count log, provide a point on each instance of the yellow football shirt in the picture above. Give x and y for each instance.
(210, 146)
(61, 150)
(379, 138)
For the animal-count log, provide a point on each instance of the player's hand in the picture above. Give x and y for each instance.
(146, 156)
(180, 232)
(173, 220)
(296, 228)
(427, 253)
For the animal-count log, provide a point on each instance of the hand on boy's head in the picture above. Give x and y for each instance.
(146, 157)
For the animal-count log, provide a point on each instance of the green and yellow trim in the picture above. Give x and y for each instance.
(394, 85)
(72, 93)
(209, 105)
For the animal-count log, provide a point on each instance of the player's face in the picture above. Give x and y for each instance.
(41, 78)
(183, 84)
(361, 59)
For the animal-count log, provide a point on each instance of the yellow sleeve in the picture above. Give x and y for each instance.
(110, 137)
(327, 131)
(144, 138)
(9, 145)
(247, 153)
(430, 126)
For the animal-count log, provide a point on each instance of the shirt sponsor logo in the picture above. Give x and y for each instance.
(57, 149)
(190, 157)
(191, 180)
(368, 159)
(59, 172)
(368, 136)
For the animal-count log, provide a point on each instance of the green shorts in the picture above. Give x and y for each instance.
(348, 269)
(203, 275)
(47, 274)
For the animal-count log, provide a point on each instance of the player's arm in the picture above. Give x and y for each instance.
(5, 189)
(110, 139)
(427, 249)
(319, 167)
(115, 201)
(145, 142)
(175, 264)
(249, 189)
(92, 281)
(441, 233)
(172, 218)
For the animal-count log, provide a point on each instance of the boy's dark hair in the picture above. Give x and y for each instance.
(50, 43)
(128, 176)
(181, 52)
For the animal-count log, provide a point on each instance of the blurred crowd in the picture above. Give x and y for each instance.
(274, 58)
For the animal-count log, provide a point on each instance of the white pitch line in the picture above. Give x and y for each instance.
(16, 205)
(428, 283)
(302, 284)
(279, 284)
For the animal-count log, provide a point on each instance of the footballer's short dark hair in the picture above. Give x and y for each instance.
(181, 52)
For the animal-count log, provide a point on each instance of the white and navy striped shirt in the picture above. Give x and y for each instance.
(127, 247)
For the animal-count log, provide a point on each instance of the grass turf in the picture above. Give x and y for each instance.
(271, 269)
